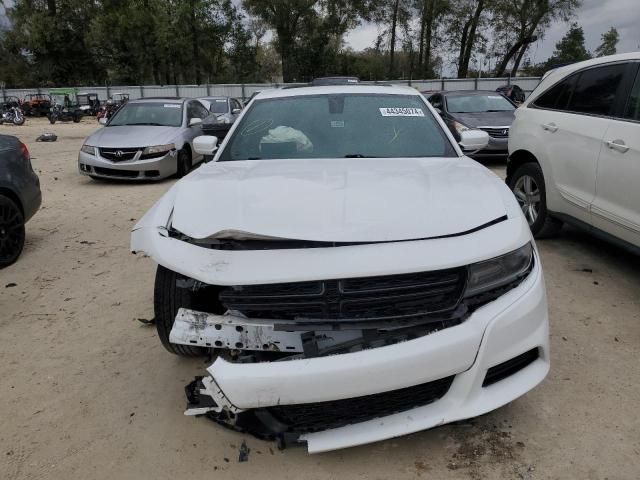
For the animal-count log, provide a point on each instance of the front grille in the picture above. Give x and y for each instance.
(118, 154)
(508, 368)
(496, 132)
(314, 417)
(116, 173)
(368, 298)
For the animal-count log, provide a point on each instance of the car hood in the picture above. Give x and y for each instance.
(132, 136)
(485, 119)
(338, 200)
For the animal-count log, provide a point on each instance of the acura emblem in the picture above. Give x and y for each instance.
(119, 153)
(505, 131)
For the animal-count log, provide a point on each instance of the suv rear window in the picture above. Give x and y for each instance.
(595, 90)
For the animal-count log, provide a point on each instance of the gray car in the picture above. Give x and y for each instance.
(147, 139)
(477, 109)
(20, 197)
(226, 109)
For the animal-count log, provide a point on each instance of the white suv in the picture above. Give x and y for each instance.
(575, 150)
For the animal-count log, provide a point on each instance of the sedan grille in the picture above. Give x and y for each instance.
(358, 299)
(118, 154)
(496, 132)
(314, 417)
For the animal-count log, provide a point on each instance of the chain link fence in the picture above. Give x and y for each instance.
(244, 90)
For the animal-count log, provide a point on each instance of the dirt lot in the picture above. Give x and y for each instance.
(88, 392)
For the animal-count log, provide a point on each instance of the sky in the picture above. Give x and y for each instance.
(595, 17)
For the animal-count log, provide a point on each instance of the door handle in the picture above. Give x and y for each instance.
(550, 127)
(618, 145)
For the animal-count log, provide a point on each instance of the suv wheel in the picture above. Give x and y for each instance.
(527, 184)
(11, 232)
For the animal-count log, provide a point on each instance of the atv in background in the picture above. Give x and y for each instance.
(88, 103)
(36, 104)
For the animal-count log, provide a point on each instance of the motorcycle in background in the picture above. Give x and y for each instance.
(11, 114)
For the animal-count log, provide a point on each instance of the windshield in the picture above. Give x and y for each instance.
(338, 126)
(218, 105)
(148, 113)
(478, 104)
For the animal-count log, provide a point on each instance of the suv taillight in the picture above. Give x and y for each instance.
(25, 151)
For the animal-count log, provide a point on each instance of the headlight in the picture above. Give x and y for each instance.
(88, 149)
(157, 149)
(499, 271)
(460, 127)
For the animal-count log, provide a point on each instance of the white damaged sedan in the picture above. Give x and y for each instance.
(356, 276)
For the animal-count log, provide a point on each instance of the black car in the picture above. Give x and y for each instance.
(512, 92)
(20, 197)
(477, 109)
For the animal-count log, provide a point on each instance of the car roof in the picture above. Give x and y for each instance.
(163, 99)
(214, 97)
(452, 93)
(337, 89)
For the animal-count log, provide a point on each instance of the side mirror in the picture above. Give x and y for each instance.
(236, 111)
(472, 141)
(438, 110)
(195, 121)
(102, 121)
(205, 144)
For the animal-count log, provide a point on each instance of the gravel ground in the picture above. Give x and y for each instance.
(88, 392)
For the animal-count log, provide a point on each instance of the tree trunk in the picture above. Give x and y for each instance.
(194, 41)
(521, 53)
(423, 21)
(392, 50)
(430, 21)
(463, 48)
(51, 8)
(471, 39)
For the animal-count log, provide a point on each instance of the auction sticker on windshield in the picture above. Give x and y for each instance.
(172, 105)
(401, 112)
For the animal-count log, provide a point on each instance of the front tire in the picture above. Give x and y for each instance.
(527, 184)
(167, 299)
(12, 231)
(52, 119)
(18, 120)
(184, 162)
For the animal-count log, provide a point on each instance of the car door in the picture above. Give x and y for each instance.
(573, 117)
(194, 110)
(616, 208)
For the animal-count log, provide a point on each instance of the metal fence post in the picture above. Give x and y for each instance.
(475, 83)
(107, 85)
(177, 90)
(141, 91)
(442, 80)
(244, 96)
(208, 90)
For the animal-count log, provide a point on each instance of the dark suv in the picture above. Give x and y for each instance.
(20, 197)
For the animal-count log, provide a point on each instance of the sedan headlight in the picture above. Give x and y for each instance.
(460, 127)
(500, 271)
(158, 149)
(88, 149)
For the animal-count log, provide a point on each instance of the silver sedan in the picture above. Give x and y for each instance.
(147, 139)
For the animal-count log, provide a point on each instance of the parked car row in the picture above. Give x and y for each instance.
(355, 275)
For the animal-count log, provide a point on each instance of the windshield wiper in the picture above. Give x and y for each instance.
(359, 155)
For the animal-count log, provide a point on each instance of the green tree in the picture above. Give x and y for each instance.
(519, 23)
(571, 48)
(609, 43)
(430, 14)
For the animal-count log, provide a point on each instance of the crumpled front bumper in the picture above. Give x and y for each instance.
(513, 324)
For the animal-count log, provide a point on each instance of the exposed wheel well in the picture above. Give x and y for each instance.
(10, 194)
(517, 159)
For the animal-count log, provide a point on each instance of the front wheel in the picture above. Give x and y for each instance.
(12, 231)
(527, 184)
(76, 118)
(18, 120)
(184, 162)
(52, 119)
(167, 299)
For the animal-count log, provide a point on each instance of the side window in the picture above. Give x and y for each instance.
(556, 98)
(595, 90)
(235, 104)
(436, 101)
(632, 110)
(196, 110)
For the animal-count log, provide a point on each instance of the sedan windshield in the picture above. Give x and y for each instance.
(478, 104)
(338, 126)
(148, 113)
